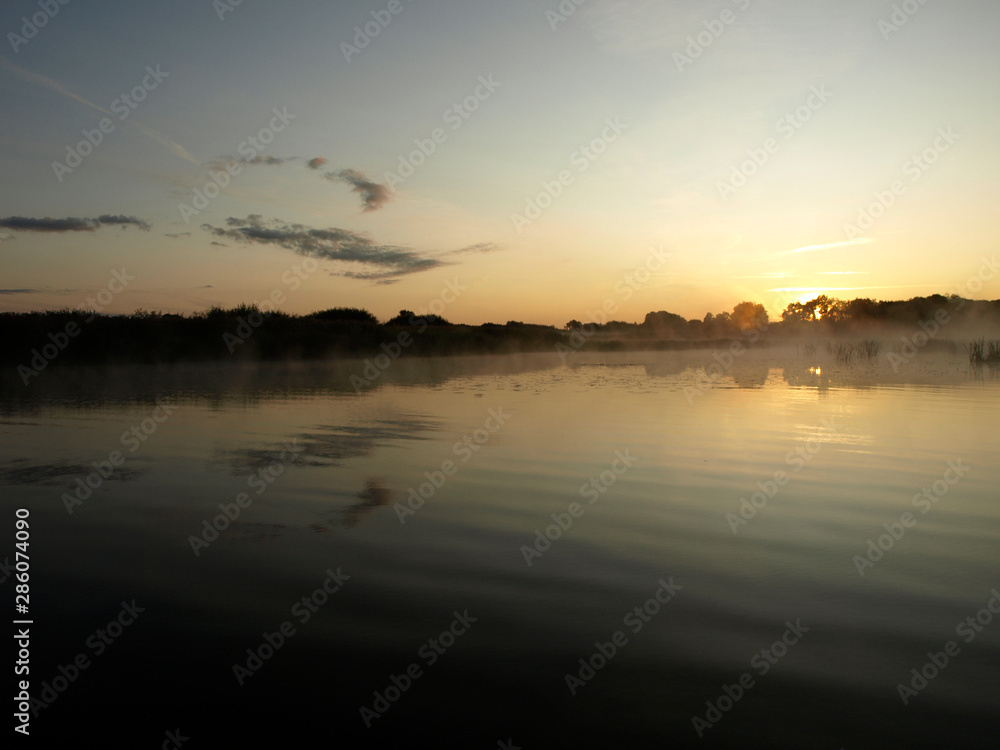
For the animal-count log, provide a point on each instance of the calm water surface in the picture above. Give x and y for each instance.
(486, 524)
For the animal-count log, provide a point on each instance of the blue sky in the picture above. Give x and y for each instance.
(724, 156)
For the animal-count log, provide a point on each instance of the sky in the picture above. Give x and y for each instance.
(532, 161)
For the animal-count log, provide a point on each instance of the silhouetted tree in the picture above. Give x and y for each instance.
(665, 324)
(747, 315)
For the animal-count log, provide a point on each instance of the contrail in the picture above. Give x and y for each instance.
(27, 75)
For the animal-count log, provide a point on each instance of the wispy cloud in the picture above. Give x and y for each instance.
(828, 246)
(18, 291)
(386, 262)
(643, 28)
(48, 224)
(823, 289)
(480, 247)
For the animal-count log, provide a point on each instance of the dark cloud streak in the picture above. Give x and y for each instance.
(480, 247)
(388, 262)
(48, 224)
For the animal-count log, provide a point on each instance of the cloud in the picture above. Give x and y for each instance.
(824, 289)
(267, 161)
(480, 247)
(271, 161)
(48, 224)
(177, 234)
(373, 195)
(797, 42)
(219, 244)
(18, 291)
(385, 263)
(816, 248)
(124, 221)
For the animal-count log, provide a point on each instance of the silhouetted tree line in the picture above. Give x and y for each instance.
(820, 316)
(37, 340)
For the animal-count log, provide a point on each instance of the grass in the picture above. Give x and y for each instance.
(982, 352)
(869, 349)
(845, 352)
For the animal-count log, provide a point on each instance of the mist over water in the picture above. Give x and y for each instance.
(724, 544)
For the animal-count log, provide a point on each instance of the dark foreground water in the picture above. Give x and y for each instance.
(510, 552)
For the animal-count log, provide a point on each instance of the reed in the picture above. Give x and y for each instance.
(841, 351)
(869, 349)
(845, 352)
(983, 352)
